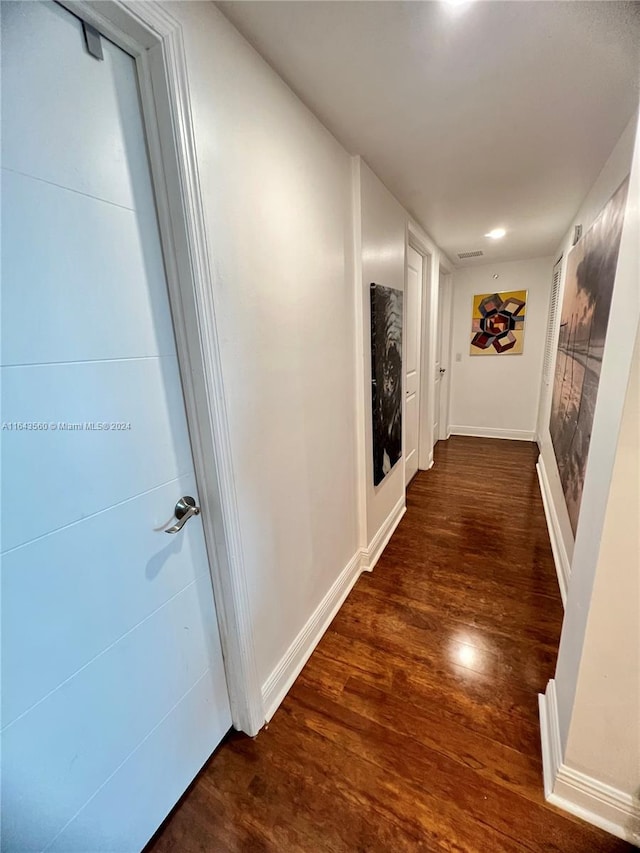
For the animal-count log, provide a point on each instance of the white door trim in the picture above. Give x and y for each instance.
(154, 38)
(427, 351)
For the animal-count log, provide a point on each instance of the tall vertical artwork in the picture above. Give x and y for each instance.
(591, 270)
(386, 378)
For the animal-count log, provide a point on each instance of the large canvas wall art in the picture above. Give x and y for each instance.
(591, 270)
(386, 378)
(497, 323)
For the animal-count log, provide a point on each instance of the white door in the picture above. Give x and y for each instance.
(412, 361)
(439, 369)
(113, 683)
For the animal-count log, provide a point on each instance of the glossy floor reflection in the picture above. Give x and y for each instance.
(414, 726)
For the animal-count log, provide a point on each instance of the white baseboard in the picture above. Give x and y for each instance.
(560, 558)
(371, 555)
(576, 792)
(494, 432)
(283, 676)
(279, 682)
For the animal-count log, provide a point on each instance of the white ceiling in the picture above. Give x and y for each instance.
(475, 116)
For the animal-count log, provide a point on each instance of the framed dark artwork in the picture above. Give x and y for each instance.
(591, 271)
(386, 378)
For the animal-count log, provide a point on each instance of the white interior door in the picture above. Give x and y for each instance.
(412, 361)
(439, 369)
(444, 313)
(113, 683)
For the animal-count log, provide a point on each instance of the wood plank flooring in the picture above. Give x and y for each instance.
(414, 725)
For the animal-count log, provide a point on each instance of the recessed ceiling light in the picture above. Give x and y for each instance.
(496, 234)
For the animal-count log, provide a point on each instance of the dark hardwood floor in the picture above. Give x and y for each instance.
(414, 726)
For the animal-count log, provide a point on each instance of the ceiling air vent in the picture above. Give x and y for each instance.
(464, 255)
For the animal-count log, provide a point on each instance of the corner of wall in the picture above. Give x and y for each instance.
(359, 350)
(281, 679)
(576, 792)
(379, 542)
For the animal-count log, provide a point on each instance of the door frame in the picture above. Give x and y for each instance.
(434, 260)
(427, 350)
(153, 37)
(405, 306)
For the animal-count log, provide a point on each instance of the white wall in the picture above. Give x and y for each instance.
(623, 319)
(604, 736)
(613, 173)
(595, 713)
(498, 395)
(383, 228)
(383, 233)
(276, 188)
(297, 231)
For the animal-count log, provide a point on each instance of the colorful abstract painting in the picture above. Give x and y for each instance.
(497, 326)
(386, 378)
(591, 271)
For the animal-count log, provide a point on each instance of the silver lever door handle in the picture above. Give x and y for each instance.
(185, 508)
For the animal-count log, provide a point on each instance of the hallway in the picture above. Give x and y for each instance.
(414, 726)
